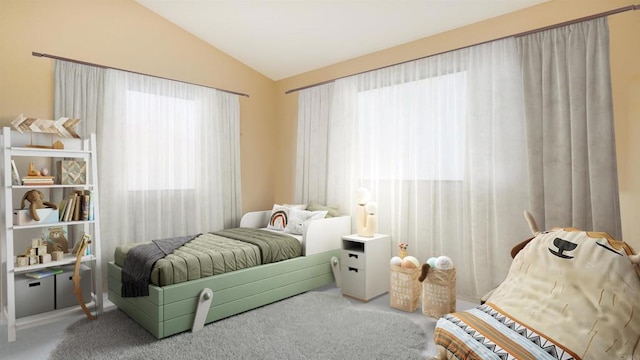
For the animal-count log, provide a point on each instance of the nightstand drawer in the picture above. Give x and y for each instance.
(352, 258)
(353, 282)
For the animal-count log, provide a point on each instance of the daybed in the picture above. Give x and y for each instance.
(569, 294)
(172, 309)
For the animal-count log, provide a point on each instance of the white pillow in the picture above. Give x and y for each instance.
(299, 220)
(280, 215)
(297, 206)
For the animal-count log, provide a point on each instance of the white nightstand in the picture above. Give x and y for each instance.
(364, 265)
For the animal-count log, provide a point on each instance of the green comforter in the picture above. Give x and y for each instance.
(273, 246)
(219, 252)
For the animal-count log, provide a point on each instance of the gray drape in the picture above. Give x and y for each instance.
(569, 123)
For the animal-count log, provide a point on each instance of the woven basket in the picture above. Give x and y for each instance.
(439, 293)
(405, 288)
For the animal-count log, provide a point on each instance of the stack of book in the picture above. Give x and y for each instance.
(78, 206)
(39, 274)
(37, 180)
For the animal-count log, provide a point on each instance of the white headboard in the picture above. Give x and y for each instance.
(320, 236)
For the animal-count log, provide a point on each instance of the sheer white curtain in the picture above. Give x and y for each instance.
(438, 141)
(312, 140)
(79, 92)
(569, 114)
(456, 146)
(168, 153)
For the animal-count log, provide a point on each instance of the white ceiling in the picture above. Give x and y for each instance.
(283, 38)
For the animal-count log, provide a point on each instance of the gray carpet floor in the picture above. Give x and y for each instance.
(314, 325)
(38, 342)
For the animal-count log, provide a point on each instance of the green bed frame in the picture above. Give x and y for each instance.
(171, 309)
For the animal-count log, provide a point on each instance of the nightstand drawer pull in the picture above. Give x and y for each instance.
(353, 269)
(353, 255)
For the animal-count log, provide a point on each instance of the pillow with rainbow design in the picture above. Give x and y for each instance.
(280, 216)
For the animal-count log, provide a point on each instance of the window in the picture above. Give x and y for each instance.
(161, 132)
(414, 130)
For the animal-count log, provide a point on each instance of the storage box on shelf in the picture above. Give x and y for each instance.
(64, 287)
(46, 215)
(17, 232)
(33, 296)
(49, 290)
(71, 172)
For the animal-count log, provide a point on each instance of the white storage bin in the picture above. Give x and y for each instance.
(64, 287)
(33, 296)
(46, 215)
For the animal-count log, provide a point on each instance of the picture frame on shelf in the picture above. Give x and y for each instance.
(15, 176)
(55, 237)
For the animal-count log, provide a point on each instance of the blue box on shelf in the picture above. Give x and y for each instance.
(46, 215)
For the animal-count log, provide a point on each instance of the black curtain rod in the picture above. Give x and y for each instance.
(590, 17)
(129, 71)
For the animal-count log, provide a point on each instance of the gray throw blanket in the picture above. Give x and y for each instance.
(136, 270)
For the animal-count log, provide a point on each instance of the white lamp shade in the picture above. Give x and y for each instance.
(363, 196)
(371, 208)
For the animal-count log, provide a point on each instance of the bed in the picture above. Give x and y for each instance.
(187, 305)
(569, 294)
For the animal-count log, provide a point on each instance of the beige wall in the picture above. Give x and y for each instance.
(123, 34)
(625, 78)
(625, 57)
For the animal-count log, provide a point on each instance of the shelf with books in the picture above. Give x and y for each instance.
(16, 238)
(77, 206)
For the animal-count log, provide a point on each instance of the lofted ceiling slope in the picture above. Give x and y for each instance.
(284, 38)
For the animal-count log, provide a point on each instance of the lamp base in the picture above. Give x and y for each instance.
(365, 234)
